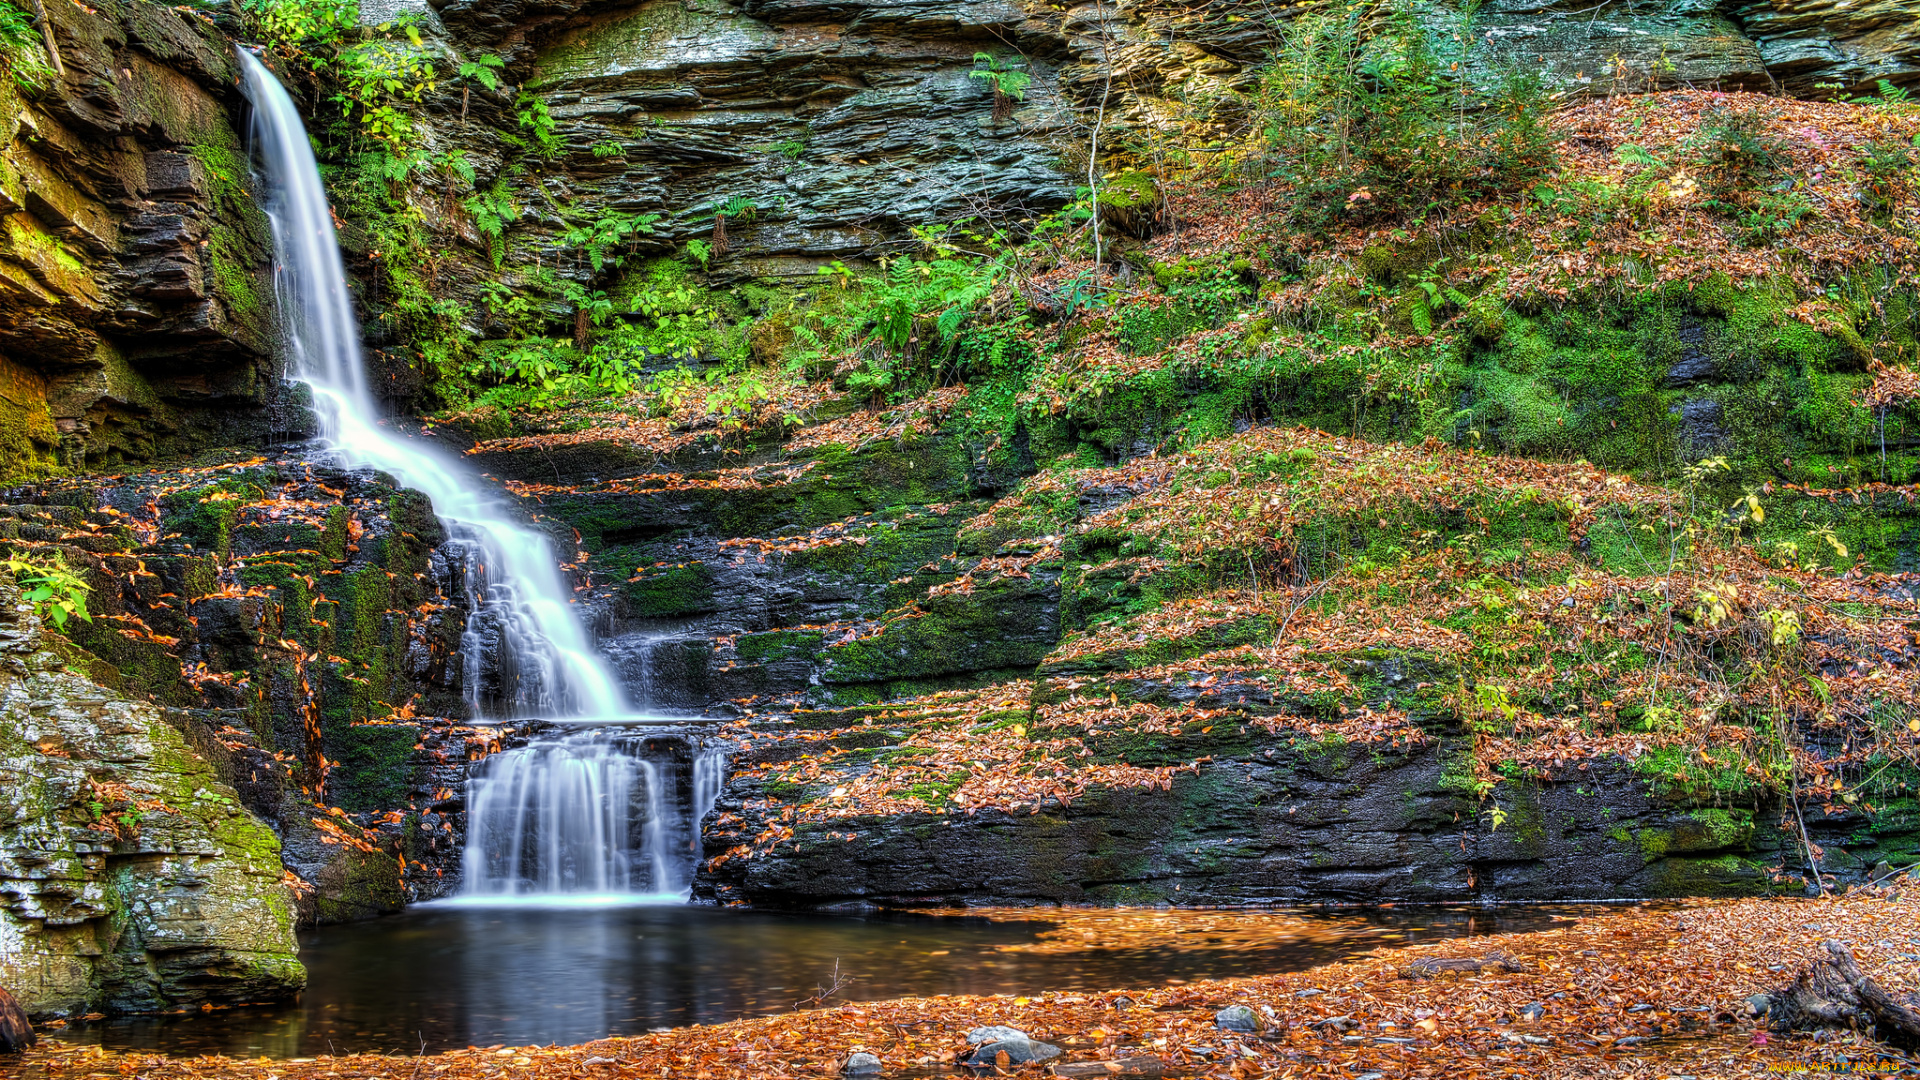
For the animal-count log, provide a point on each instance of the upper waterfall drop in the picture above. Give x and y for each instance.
(547, 664)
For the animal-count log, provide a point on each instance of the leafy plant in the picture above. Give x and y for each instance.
(1365, 126)
(377, 76)
(1768, 216)
(678, 317)
(1888, 166)
(608, 148)
(738, 207)
(54, 590)
(20, 49)
(483, 70)
(532, 115)
(1431, 296)
(310, 29)
(490, 212)
(1734, 149)
(885, 332)
(598, 237)
(1009, 79)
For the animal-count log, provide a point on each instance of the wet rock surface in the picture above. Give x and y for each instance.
(132, 878)
(301, 626)
(1260, 827)
(135, 303)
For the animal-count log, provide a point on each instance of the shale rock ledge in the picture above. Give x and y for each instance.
(131, 878)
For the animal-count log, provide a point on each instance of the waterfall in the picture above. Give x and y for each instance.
(578, 814)
(544, 660)
(561, 817)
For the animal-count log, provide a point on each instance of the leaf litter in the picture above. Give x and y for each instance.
(1647, 992)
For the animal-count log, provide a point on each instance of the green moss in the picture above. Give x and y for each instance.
(374, 769)
(777, 645)
(28, 437)
(204, 516)
(1723, 875)
(1711, 829)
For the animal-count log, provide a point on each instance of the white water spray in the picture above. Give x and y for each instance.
(547, 665)
(580, 817)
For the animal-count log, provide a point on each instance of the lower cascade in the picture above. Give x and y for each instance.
(592, 811)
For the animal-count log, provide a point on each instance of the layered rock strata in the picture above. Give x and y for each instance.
(131, 876)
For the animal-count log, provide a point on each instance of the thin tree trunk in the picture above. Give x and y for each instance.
(46, 31)
(1093, 149)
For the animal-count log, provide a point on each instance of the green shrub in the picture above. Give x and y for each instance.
(1364, 128)
(55, 591)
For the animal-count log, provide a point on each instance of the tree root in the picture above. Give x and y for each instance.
(1833, 992)
(15, 1032)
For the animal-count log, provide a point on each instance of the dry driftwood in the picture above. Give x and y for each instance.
(1427, 967)
(1833, 992)
(15, 1032)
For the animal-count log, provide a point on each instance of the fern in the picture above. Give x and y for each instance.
(20, 51)
(598, 236)
(483, 70)
(491, 211)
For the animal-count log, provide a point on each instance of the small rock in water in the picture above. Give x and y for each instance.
(861, 1065)
(1017, 1051)
(1533, 1012)
(1238, 1018)
(1308, 993)
(995, 1033)
(1759, 1004)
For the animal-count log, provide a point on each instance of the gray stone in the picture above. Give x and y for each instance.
(1238, 1018)
(1695, 363)
(1018, 1051)
(1807, 43)
(1702, 432)
(861, 1064)
(993, 1033)
(1533, 1011)
(1759, 1005)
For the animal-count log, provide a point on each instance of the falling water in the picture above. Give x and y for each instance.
(587, 814)
(580, 814)
(709, 775)
(544, 660)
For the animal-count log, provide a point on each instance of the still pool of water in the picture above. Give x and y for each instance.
(438, 977)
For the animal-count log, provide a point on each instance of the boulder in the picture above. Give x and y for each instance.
(1017, 1051)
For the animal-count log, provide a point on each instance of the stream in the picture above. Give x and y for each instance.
(450, 975)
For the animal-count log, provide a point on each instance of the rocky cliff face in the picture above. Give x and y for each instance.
(301, 624)
(832, 128)
(135, 302)
(131, 877)
(137, 308)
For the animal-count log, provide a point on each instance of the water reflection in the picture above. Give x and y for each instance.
(440, 978)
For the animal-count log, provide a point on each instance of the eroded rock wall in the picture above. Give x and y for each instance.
(131, 877)
(302, 624)
(136, 306)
